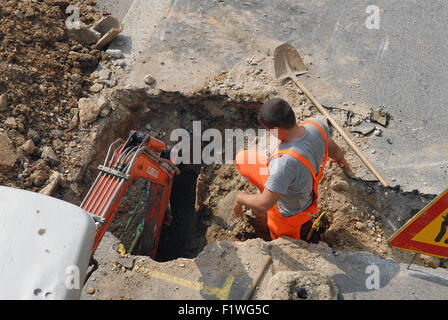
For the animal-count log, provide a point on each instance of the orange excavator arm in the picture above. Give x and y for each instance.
(139, 157)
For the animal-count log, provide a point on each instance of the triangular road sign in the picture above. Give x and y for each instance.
(427, 231)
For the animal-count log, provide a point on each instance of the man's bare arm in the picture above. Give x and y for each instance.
(337, 155)
(259, 202)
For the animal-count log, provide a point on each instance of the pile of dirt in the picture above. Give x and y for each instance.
(43, 74)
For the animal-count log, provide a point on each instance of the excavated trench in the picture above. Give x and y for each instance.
(360, 218)
(159, 115)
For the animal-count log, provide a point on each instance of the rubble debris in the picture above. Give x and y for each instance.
(104, 73)
(114, 53)
(28, 147)
(74, 122)
(11, 123)
(40, 174)
(101, 33)
(97, 87)
(110, 83)
(364, 128)
(84, 60)
(8, 157)
(109, 27)
(89, 109)
(34, 136)
(430, 261)
(380, 117)
(50, 156)
(378, 132)
(128, 263)
(54, 181)
(3, 102)
(84, 34)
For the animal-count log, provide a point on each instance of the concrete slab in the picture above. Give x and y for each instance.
(400, 66)
(395, 281)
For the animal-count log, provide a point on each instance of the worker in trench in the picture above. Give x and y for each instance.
(288, 179)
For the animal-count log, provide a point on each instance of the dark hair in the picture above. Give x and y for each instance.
(277, 113)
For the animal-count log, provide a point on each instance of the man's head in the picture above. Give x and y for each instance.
(277, 115)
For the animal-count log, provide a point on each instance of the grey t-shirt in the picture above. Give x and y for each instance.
(292, 178)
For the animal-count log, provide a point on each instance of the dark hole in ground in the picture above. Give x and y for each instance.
(302, 293)
(185, 237)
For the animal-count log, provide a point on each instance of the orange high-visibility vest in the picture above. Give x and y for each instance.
(279, 225)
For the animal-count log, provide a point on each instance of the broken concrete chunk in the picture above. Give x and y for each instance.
(378, 132)
(114, 53)
(11, 123)
(54, 182)
(109, 27)
(379, 117)
(84, 35)
(96, 88)
(50, 156)
(8, 155)
(364, 128)
(89, 110)
(128, 263)
(104, 73)
(28, 147)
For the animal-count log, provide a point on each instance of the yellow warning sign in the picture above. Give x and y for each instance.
(427, 231)
(435, 232)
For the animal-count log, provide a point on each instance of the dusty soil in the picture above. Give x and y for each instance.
(42, 75)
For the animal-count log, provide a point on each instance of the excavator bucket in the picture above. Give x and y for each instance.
(286, 58)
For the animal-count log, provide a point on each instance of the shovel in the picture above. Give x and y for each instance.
(289, 64)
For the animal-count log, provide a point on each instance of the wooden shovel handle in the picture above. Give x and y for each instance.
(340, 130)
(264, 264)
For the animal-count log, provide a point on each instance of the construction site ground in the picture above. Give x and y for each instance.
(63, 103)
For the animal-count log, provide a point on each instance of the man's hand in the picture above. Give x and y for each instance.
(337, 156)
(345, 167)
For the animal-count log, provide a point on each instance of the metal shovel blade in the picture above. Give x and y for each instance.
(287, 62)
